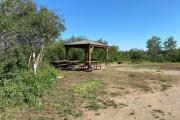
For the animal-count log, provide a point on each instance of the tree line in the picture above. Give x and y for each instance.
(157, 51)
(29, 43)
(29, 36)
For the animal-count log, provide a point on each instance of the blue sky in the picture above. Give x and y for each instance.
(125, 23)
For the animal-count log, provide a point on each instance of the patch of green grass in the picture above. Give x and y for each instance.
(165, 86)
(143, 87)
(86, 89)
(68, 101)
(114, 94)
(121, 105)
(110, 103)
(44, 118)
(163, 80)
(76, 94)
(93, 105)
(26, 88)
(66, 106)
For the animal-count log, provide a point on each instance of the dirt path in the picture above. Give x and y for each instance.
(159, 105)
(152, 70)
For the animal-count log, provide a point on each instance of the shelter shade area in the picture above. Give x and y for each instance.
(87, 64)
(88, 47)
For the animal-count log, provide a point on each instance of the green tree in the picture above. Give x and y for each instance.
(170, 49)
(123, 56)
(136, 55)
(10, 51)
(24, 25)
(170, 43)
(178, 54)
(76, 53)
(114, 53)
(55, 51)
(99, 54)
(154, 48)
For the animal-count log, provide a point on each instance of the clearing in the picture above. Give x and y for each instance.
(146, 91)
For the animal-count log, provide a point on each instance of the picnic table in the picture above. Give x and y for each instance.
(75, 65)
(72, 65)
(66, 64)
(61, 63)
(92, 65)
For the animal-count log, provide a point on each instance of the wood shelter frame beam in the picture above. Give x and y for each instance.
(88, 51)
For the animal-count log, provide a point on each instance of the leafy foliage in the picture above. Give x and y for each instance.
(156, 52)
(114, 53)
(170, 49)
(170, 44)
(136, 55)
(75, 94)
(54, 52)
(76, 53)
(154, 47)
(26, 88)
(24, 28)
(99, 54)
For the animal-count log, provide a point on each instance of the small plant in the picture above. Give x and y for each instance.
(132, 112)
(132, 75)
(165, 87)
(27, 88)
(97, 113)
(114, 94)
(75, 94)
(93, 105)
(121, 105)
(143, 87)
(110, 103)
(155, 111)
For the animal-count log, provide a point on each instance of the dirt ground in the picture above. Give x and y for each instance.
(157, 104)
(146, 91)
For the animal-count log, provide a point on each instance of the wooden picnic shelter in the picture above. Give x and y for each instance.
(88, 47)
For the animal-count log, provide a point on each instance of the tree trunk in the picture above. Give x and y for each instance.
(29, 62)
(37, 58)
(34, 63)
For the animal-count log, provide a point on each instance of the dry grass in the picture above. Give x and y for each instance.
(158, 66)
(73, 94)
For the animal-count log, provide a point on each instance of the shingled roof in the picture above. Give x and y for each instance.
(86, 43)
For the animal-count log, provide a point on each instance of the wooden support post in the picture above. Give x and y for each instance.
(90, 52)
(91, 49)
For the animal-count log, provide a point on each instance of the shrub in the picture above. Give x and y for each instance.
(73, 96)
(26, 88)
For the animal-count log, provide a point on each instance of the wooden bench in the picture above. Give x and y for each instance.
(97, 67)
(63, 64)
(120, 62)
(136, 61)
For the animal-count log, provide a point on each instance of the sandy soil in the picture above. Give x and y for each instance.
(154, 71)
(151, 106)
(159, 105)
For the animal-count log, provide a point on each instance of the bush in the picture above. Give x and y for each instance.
(136, 55)
(72, 97)
(26, 88)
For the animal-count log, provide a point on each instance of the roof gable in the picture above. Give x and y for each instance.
(86, 42)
